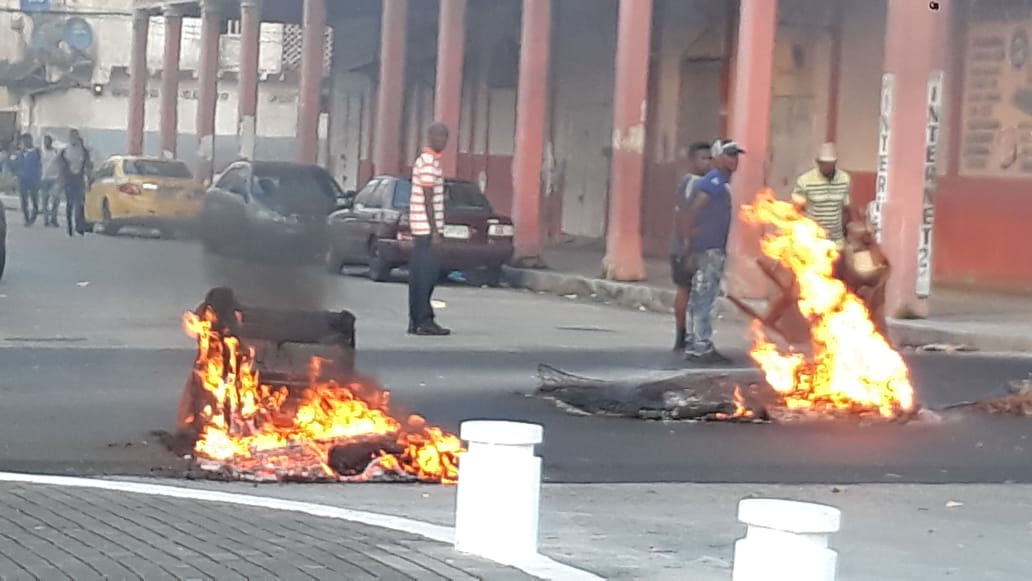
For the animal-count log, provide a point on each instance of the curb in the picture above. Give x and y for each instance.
(916, 333)
(645, 298)
(624, 294)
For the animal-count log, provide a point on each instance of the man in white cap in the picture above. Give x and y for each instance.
(823, 195)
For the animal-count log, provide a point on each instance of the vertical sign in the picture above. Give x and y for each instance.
(881, 190)
(932, 130)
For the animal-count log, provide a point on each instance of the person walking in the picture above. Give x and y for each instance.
(50, 184)
(76, 166)
(28, 168)
(681, 270)
(426, 220)
(707, 224)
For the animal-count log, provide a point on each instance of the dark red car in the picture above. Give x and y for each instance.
(372, 229)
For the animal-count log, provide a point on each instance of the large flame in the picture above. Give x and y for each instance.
(253, 425)
(852, 367)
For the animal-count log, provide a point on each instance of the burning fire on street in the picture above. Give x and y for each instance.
(248, 428)
(851, 370)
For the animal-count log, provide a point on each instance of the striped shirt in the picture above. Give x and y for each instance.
(825, 200)
(426, 173)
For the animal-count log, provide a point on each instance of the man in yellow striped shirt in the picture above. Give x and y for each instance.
(823, 195)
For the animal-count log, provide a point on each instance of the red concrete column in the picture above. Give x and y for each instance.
(207, 88)
(915, 53)
(170, 82)
(250, 29)
(531, 117)
(390, 94)
(313, 44)
(623, 260)
(451, 54)
(138, 82)
(750, 127)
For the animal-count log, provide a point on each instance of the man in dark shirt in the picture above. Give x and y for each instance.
(708, 222)
(681, 269)
(29, 169)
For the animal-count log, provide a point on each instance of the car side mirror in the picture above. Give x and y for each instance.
(347, 200)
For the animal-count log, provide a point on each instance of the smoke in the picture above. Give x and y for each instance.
(278, 283)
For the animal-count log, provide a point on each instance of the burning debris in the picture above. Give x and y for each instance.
(852, 368)
(250, 414)
(850, 371)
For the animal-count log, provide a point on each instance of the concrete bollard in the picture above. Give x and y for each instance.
(785, 540)
(499, 491)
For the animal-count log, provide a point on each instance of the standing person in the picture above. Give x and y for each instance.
(700, 161)
(426, 219)
(29, 169)
(823, 195)
(50, 185)
(708, 222)
(76, 167)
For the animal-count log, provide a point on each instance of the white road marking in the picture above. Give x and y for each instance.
(540, 566)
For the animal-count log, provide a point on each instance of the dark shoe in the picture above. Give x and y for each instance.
(680, 342)
(711, 357)
(432, 330)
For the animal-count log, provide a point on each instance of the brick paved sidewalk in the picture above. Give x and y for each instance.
(53, 532)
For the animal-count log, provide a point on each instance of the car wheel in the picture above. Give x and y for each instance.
(379, 270)
(333, 261)
(492, 277)
(107, 225)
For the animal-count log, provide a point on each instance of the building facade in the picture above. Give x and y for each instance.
(575, 114)
(69, 66)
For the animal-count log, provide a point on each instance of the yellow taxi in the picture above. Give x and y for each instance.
(143, 191)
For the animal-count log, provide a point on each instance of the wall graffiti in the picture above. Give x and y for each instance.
(997, 126)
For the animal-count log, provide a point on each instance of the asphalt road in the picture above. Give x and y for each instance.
(92, 359)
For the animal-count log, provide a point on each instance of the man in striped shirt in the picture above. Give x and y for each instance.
(823, 195)
(426, 220)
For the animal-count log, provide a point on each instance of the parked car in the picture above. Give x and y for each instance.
(272, 209)
(143, 191)
(3, 239)
(372, 229)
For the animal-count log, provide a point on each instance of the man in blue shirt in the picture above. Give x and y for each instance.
(707, 224)
(29, 169)
(681, 270)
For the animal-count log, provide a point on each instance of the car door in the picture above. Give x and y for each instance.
(104, 188)
(366, 205)
(225, 204)
(343, 225)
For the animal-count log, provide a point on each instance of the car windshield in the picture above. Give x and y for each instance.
(458, 197)
(296, 190)
(155, 168)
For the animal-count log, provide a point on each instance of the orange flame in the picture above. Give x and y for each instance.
(852, 366)
(249, 422)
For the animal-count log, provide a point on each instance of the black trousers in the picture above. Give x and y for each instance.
(424, 270)
(29, 194)
(75, 197)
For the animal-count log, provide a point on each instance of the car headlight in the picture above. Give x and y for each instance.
(500, 230)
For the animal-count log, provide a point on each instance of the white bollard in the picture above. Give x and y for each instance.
(785, 540)
(499, 491)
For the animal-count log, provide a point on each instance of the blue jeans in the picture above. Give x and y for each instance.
(705, 289)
